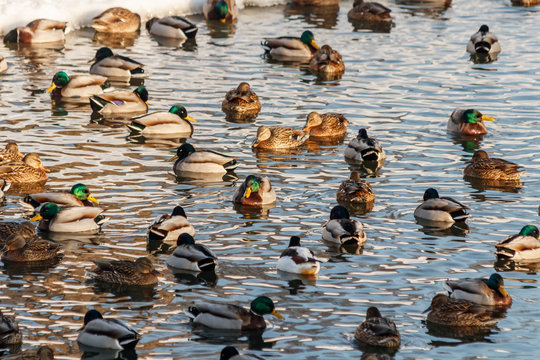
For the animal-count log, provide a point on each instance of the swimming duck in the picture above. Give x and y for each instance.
(37, 31)
(222, 10)
(114, 66)
(378, 331)
(175, 27)
(189, 160)
(175, 121)
(355, 191)
(121, 102)
(364, 148)
(42, 353)
(124, 272)
(325, 125)
(279, 138)
(523, 246)
(11, 152)
(288, 47)
(3, 65)
(480, 291)
(116, 20)
(98, 332)
(232, 317)
(454, 312)
(241, 101)
(21, 250)
(8, 228)
(75, 219)
(169, 227)
(341, 229)
(297, 259)
(191, 256)
(79, 195)
(255, 191)
(9, 330)
(440, 209)
(468, 122)
(230, 353)
(76, 86)
(327, 62)
(371, 12)
(483, 42)
(484, 167)
(29, 170)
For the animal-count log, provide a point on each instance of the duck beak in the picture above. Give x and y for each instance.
(501, 289)
(45, 169)
(314, 44)
(255, 143)
(428, 309)
(276, 314)
(223, 21)
(487, 118)
(92, 199)
(37, 217)
(51, 88)
(305, 129)
(91, 61)
(157, 273)
(190, 119)
(81, 328)
(173, 158)
(247, 193)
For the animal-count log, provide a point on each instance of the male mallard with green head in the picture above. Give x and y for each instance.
(121, 102)
(222, 10)
(174, 122)
(468, 122)
(291, 48)
(73, 219)
(480, 291)
(255, 191)
(191, 256)
(175, 27)
(106, 63)
(169, 227)
(101, 333)
(76, 86)
(521, 247)
(440, 209)
(343, 230)
(79, 195)
(191, 161)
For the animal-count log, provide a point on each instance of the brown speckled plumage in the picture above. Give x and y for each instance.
(378, 331)
(355, 191)
(326, 125)
(484, 167)
(279, 138)
(242, 101)
(327, 62)
(455, 312)
(125, 272)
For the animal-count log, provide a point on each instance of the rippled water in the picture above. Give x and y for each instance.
(402, 86)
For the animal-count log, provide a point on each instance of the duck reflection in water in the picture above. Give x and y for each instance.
(431, 8)
(321, 16)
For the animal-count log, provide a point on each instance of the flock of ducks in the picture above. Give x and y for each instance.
(471, 302)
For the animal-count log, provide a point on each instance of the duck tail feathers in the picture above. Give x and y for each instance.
(231, 165)
(157, 234)
(207, 264)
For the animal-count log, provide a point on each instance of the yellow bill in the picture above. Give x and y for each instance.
(37, 217)
(247, 194)
(173, 158)
(51, 88)
(487, 118)
(278, 315)
(314, 44)
(190, 119)
(92, 199)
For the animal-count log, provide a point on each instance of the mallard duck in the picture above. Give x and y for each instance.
(4, 186)
(42, 353)
(75, 219)
(3, 65)
(325, 125)
(355, 191)
(8, 228)
(341, 229)
(37, 31)
(484, 167)
(76, 86)
(288, 47)
(230, 353)
(11, 152)
(116, 20)
(98, 332)
(297, 259)
(232, 317)
(364, 148)
(483, 42)
(114, 66)
(327, 62)
(29, 170)
(176, 121)
(523, 246)
(279, 138)
(21, 250)
(124, 272)
(241, 101)
(121, 102)
(222, 10)
(175, 27)
(169, 227)
(188, 160)
(191, 256)
(378, 331)
(79, 195)
(454, 312)
(480, 291)
(9, 330)
(371, 12)
(468, 122)
(255, 191)
(440, 209)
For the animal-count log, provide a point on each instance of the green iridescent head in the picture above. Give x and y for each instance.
(49, 211)
(308, 38)
(496, 283)
(530, 230)
(82, 193)
(60, 79)
(181, 111)
(142, 92)
(264, 305)
(252, 185)
(222, 9)
(472, 116)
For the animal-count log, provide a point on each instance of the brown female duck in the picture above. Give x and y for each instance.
(326, 125)
(378, 331)
(29, 170)
(484, 167)
(124, 272)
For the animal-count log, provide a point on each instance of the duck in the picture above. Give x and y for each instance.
(484, 167)
(297, 259)
(241, 101)
(191, 256)
(255, 191)
(288, 47)
(480, 291)
(327, 62)
(441, 209)
(140, 272)
(101, 333)
(355, 191)
(520, 247)
(222, 10)
(169, 227)
(29, 170)
(189, 160)
(3, 65)
(232, 317)
(455, 312)
(230, 353)
(37, 31)
(175, 27)
(483, 42)
(378, 331)
(468, 122)
(42, 353)
(11, 152)
(175, 121)
(74, 219)
(106, 63)
(369, 12)
(343, 230)
(364, 149)
(116, 20)
(325, 125)
(8, 228)
(121, 102)
(9, 330)
(19, 249)
(4, 186)
(279, 138)
(78, 195)
(76, 86)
